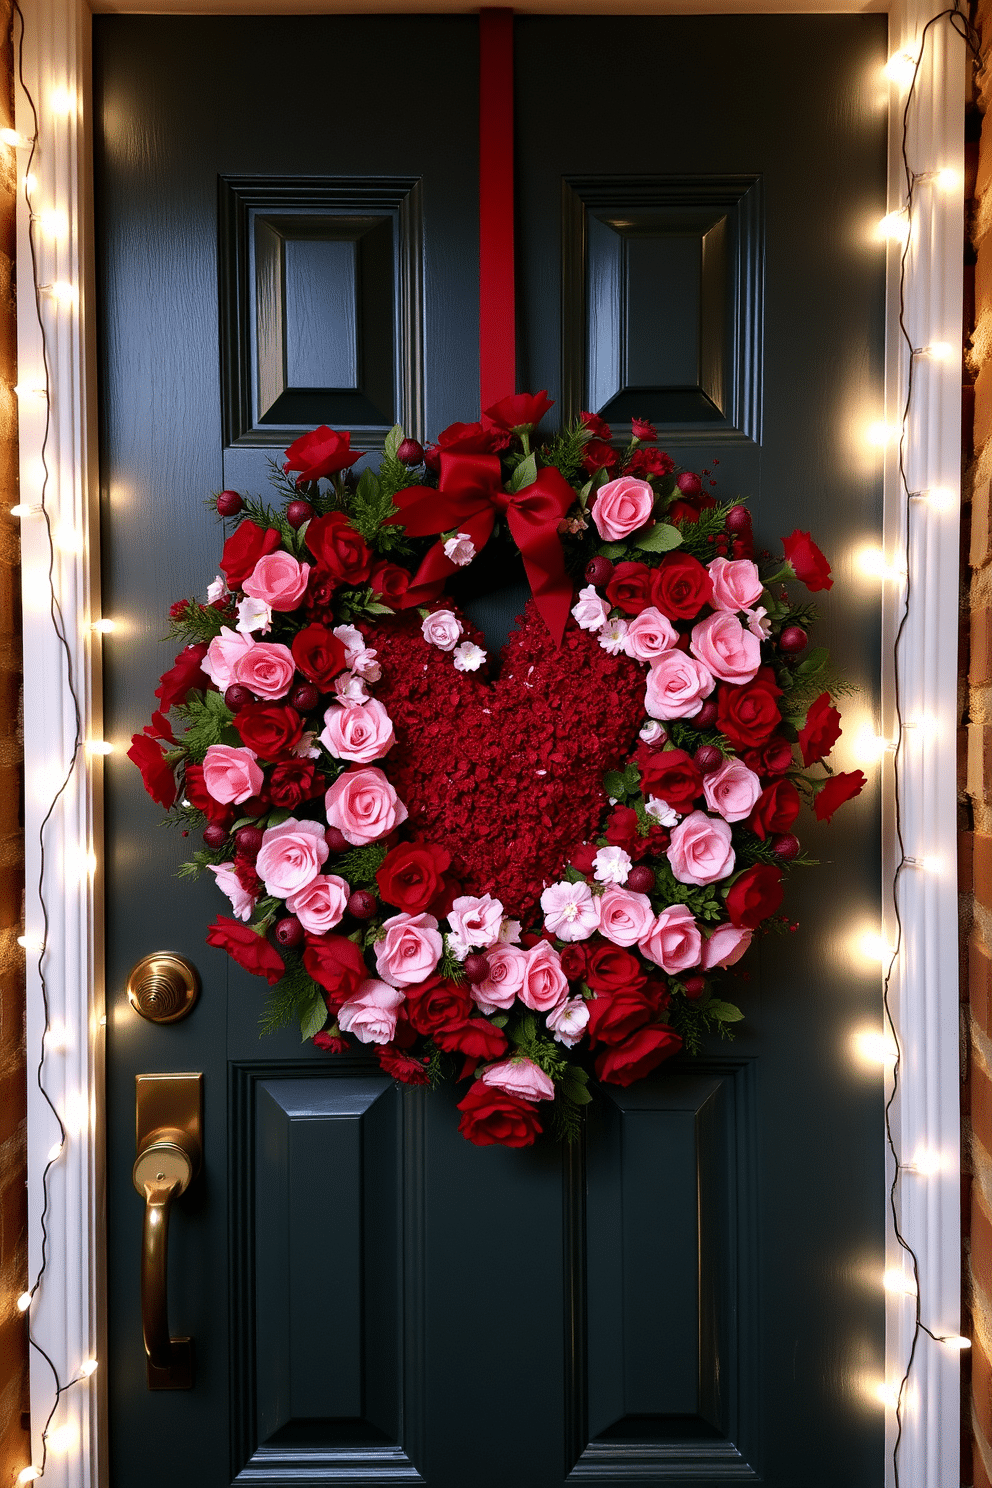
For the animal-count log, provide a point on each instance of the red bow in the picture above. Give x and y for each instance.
(468, 498)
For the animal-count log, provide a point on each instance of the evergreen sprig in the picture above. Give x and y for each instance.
(208, 721)
(565, 451)
(198, 623)
(696, 535)
(693, 1022)
(291, 996)
(361, 864)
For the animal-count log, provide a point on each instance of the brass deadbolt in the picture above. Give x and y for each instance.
(163, 987)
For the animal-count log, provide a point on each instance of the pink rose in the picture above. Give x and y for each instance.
(371, 1014)
(650, 634)
(475, 921)
(442, 629)
(726, 648)
(621, 506)
(290, 856)
(278, 580)
(736, 584)
(590, 612)
(242, 903)
(677, 686)
(544, 983)
(362, 734)
(320, 904)
(231, 775)
(700, 850)
(570, 910)
(624, 917)
(222, 653)
(519, 1075)
(673, 942)
(506, 975)
(410, 949)
(363, 806)
(732, 791)
(266, 668)
(725, 946)
(568, 1021)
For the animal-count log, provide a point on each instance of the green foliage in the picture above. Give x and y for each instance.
(370, 508)
(702, 899)
(694, 1022)
(208, 721)
(565, 450)
(450, 967)
(313, 1015)
(661, 538)
(525, 474)
(201, 860)
(685, 737)
(622, 783)
(290, 996)
(361, 864)
(750, 848)
(263, 515)
(393, 476)
(803, 684)
(198, 623)
(566, 1118)
(696, 535)
(352, 603)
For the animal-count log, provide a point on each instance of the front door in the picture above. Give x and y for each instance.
(691, 1292)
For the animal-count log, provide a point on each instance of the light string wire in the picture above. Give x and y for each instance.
(58, 625)
(960, 23)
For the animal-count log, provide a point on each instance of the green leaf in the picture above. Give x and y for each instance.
(813, 661)
(611, 550)
(207, 719)
(724, 1012)
(393, 441)
(661, 538)
(379, 609)
(576, 1093)
(615, 785)
(631, 777)
(524, 475)
(313, 1016)
(572, 875)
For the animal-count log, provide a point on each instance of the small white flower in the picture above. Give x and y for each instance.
(365, 665)
(352, 640)
(661, 811)
(570, 911)
(350, 690)
(509, 932)
(569, 1021)
(613, 637)
(468, 657)
(459, 549)
(653, 733)
(611, 865)
(758, 623)
(307, 749)
(459, 948)
(591, 612)
(217, 589)
(254, 614)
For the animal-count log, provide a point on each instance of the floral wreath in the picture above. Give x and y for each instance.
(518, 881)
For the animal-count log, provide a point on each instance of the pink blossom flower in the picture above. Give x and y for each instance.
(677, 686)
(624, 917)
(366, 666)
(254, 614)
(352, 640)
(736, 584)
(758, 623)
(459, 549)
(650, 634)
(290, 856)
(371, 1014)
(544, 983)
(224, 650)
(732, 791)
(621, 506)
(279, 580)
(570, 910)
(476, 921)
(611, 865)
(673, 942)
(613, 637)
(231, 775)
(725, 648)
(267, 669)
(661, 812)
(468, 657)
(507, 964)
(442, 629)
(410, 949)
(725, 946)
(363, 806)
(242, 903)
(350, 690)
(320, 904)
(700, 850)
(653, 733)
(216, 589)
(361, 734)
(569, 1021)
(591, 611)
(519, 1075)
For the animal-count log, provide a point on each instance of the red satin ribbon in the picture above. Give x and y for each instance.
(469, 497)
(497, 309)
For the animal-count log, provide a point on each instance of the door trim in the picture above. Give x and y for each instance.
(68, 1314)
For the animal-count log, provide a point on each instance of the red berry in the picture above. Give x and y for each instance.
(304, 698)
(432, 458)
(477, 967)
(289, 932)
(689, 483)
(214, 835)
(410, 452)
(229, 503)
(255, 806)
(336, 840)
(738, 519)
(694, 986)
(298, 512)
(361, 904)
(249, 840)
(786, 847)
(599, 571)
(237, 697)
(793, 639)
(708, 758)
(705, 716)
(640, 879)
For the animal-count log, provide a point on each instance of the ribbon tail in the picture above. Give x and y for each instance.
(435, 569)
(544, 563)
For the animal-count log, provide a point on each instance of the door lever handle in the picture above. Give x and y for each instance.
(169, 1139)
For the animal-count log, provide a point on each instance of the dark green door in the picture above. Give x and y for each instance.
(689, 1295)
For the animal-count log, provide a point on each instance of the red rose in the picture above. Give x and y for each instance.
(476, 1038)
(323, 451)
(466, 439)
(646, 1048)
(835, 791)
(184, 677)
(598, 427)
(491, 1118)
(614, 1015)
(331, 1043)
(247, 947)
(197, 795)
(337, 965)
(436, 1004)
(611, 968)
(339, 549)
(573, 961)
(293, 781)
(680, 587)
(157, 776)
(246, 544)
(583, 860)
(748, 715)
(412, 875)
(644, 462)
(630, 588)
(807, 562)
(597, 455)
(672, 776)
(391, 583)
(520, 412)
(755, 895)
(270, 729)
(776, 809)
(642, 429)
(773, 758)
(319, 655)
(621, 828)
(821, 730)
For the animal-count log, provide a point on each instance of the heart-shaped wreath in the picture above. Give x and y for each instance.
(517, 879)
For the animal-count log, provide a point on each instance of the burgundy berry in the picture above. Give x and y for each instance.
(229, 503)
(304, 698)
(289, 932)
(476, 968)
(249, 840)
(336, 840)
(705, 716)
(410, 452)
(255, 806)
(361, 904)
(298, 512)
(689, 483)
(708, 758)
(785, 847)
(793, 639)
(738, 519)
(237, 697)
(640, 879)
(694, 986)
(214, 835)
(599, 571)
(432, 458)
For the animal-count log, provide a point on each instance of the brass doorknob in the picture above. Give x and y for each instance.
(163, 987)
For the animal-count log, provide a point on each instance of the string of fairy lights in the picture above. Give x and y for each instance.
(49, 297)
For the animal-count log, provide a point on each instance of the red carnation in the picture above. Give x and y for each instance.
(331, 1043)
(645, 462)
(597, 454)
(520, 413)
(672, 776)
(755, 895)
(647, 1047)
(246, 544)
(476, 1038)
(597, 427)
(339, 548)
(807, 562)
(680, 587)
(835, 791)
(157, 776)
(293, 781)
(319, 655)
(391, 583)
(642, 429)
(436, 1004)
(492, 1118)
(337, 965)
(412, 875)
(821, 730)
(611, 968)
(321, 588)
(270, 729)
(749, 715)
(403, 1066)
(776, 809)
(183, 677)
(323, 451)
(247, 947)
(629, 588)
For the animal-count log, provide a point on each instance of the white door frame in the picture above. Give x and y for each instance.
(68, 1313)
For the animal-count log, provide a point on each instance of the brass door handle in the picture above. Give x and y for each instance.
(167, 1162)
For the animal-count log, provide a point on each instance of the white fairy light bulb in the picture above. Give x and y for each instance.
(874, 1049)
(24, 1302)
(63, 1438)
(99, 746)
(24, 509)
(874, 565)
(56, 1036)
(28, 1474)
(62, 291)
(956, 1341)
(894, 226)
(53, 222)
(878, 434)
(30, 942)
(55, 1151)
(925, 1162)
(938, 351)
(15, 140)
(88, 1367)
(874, 947)
(901, 67)
(104, 627)
(28, 389)
(61, 101)
(899, 1283)
(886, 1394)
(869, 747)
